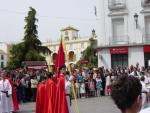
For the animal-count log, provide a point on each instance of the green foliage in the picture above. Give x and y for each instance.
(89, 54)
(93, 43)
(14, 63)
(17, 55)
(33, 55)
(31, 39)
(30, 48)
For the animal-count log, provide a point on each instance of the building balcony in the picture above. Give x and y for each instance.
(116, 4)
(119, 40)
(145, 3)
(146, 38)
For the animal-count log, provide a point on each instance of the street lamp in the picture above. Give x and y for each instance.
(136, 19)
(93, 34)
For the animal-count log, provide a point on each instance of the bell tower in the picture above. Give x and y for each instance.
(69, 33)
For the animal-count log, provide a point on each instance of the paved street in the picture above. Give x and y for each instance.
(90, 105)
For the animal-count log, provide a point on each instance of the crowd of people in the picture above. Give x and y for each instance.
(86, 82)
(98, 81)
(25, 83)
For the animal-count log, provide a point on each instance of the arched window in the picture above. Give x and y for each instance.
(74, 38)
(66, 38)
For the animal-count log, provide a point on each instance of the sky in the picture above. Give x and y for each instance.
(53, 15)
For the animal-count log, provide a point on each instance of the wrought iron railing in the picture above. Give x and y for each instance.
(146, 38)
(116, 4)
(117, 40)
(145, 3)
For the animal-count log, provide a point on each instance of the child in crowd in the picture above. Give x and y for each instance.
(108, 83)
(82, 89)
(98, 86)
(92, 87)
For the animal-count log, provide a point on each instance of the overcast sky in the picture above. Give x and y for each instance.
(52, 15)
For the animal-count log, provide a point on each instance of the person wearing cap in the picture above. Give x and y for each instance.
(6, 103)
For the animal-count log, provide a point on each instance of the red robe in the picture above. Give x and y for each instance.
(61, 101)
(39, 98)
(50, 96)
(14, 97)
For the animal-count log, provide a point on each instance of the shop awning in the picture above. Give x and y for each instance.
(84, 61)
(119, 50)
(37, 67)
(146, 49)
(35, 64)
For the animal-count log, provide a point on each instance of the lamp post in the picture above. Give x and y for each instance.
(93, 32)
(136, 19)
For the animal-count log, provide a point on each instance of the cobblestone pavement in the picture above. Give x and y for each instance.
(86, 105)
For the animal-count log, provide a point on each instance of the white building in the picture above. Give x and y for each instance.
(123, 30)
(74, 45)
(4, 54)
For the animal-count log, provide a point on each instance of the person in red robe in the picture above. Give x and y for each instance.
(40, 94)
(61, 101)
(14, 96)
(50, 96)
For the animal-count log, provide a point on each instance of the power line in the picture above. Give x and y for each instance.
(44, 16)
(15, 12)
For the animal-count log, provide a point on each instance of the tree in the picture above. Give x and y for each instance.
(17, 55)
(89, 53)
(31, 47)
(31, 34)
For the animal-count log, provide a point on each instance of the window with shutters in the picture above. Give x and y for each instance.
(118, 34)
(147, 29)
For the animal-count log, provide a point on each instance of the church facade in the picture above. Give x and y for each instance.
(74, 45)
